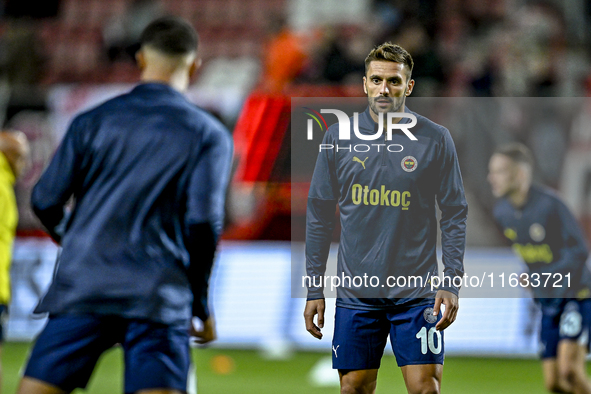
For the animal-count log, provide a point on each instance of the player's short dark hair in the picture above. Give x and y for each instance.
(391, 53)
(517, 152)
(170, 35)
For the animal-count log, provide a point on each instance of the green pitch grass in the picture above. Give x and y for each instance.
(246, 372)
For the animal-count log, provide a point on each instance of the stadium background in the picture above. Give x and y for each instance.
(59, 57)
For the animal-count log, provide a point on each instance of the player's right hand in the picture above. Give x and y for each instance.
(207, 333)
(314, 307)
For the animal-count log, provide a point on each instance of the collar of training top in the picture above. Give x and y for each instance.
(156, 87)
(367, 124)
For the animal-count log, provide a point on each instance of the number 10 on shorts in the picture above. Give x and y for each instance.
(428, 340)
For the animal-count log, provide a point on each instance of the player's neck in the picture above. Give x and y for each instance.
(519, 197)
(178, 79)
(376, 117)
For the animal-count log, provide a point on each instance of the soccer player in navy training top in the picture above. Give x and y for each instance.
(389, 230)
(148, 173)
(547, 237)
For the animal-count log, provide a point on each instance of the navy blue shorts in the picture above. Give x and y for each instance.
(570, 320)
(360, 337)
(68, 348)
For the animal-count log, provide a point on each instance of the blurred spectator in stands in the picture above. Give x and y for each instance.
(535, 53)
(337, 55)
(548, 139)
(30, 8)
(14, 157)
(392, 15)
(483, 15)
(504, 49)
(427, 72)
(465, 47)
(284, 56)
(21, 66)
(121, 35)
(20, 59)
(343, 61)
(389, 16)
(451, 37)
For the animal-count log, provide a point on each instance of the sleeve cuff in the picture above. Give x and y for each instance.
(315, 294)
(451, 289)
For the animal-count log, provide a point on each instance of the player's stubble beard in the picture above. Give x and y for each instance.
(396, 104)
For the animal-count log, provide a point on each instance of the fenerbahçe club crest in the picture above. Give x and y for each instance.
(409, 164)
(428, 315)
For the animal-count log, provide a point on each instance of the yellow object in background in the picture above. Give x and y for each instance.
(8, 222)
(222, 364)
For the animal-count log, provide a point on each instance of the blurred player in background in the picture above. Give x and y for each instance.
(148, 173)
(547, 237)
(14, 157)
(390, 231)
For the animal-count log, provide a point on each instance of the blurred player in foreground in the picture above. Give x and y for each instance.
(389, 231)
(546, 236)
(14, 156)
(148, 173)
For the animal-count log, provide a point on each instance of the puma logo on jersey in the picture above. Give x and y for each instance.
(335, 350)
(355, 158)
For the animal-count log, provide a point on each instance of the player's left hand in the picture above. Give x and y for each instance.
(206, 334)
(452, 304)
(314, 307)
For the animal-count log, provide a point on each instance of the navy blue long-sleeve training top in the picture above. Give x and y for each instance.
(148, 173)
(547, 237)
(387, 199)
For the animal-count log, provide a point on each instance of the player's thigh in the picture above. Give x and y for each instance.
(361, 381)
(34, 386)
(571, 357)
(359, 339)
(68, 348)
(415, 341)
(422, 379)
(157, 356)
